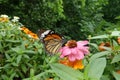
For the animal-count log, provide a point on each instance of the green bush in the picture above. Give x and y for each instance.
(111, 11)
(20, 54)
(68, 18)
(35, 14)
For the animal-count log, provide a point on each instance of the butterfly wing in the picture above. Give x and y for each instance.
(52, 46)
(52, 41)
(43, 33)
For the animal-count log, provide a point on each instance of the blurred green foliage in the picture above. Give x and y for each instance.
(20, 54)
(35, 14)
(74, 18)
(111, 10)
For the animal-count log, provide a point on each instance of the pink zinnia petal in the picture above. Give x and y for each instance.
(71, 57)
(65, 51)
(80, 55)
(74, 50)
(84, 50)
(82, 43)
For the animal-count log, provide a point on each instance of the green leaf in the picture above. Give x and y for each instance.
(105, 77)
(19, 59)
(7, 56)
(92, 59)
(99, 37)
(116, 75)
(94, 45)
(18, 50)
(115, 43)
(38, 77)
(118, 17)
(4, 77)
(115, 33)
(12, 75)
(24, 68)
(26, 56)
(15, 64)
(96, 68)
(31, 72)
(116, 58)
(29, 51)
(7, 66)
(66, 73)
(13, 41)
(99, 54)
(40, 51)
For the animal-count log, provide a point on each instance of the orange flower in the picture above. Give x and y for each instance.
(118, 71)
(102, 45)
(33, 35)
(64, 61)
(22, 28)
(77, 64)
(118, 40)
(25, 30)
(30, 33)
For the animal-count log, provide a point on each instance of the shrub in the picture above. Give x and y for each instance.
(20, 53)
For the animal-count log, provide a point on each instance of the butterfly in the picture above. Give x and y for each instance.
(51, 40)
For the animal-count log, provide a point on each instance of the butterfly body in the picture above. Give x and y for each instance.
(52, 41)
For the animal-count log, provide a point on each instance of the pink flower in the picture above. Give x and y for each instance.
(74, 50)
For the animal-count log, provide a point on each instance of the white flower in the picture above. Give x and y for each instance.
(4, 16)
(15, 19)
